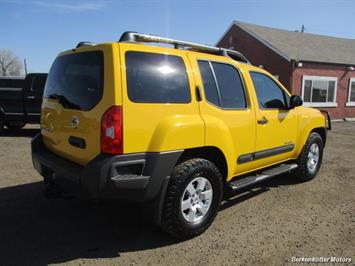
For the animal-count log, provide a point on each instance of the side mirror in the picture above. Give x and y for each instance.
(274, 103)
(295, 101)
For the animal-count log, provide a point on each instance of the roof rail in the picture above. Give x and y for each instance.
(130, 36)
(82, 44)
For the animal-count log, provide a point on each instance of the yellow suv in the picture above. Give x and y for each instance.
(172, 127)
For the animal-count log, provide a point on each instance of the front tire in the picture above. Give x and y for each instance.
(193, 198)
(311, 157)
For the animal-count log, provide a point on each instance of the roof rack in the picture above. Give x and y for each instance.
(130, 36)
(82, 44)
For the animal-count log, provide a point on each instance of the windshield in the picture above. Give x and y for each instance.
(76, 80)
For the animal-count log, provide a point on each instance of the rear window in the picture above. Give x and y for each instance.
(76, 80)
(156, 78)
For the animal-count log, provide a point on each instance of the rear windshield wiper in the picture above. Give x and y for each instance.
(64, 101)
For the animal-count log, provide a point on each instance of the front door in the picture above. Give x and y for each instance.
(276, 124)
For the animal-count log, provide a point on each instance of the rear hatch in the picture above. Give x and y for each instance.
(74, 102)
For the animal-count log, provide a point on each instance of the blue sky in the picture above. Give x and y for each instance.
(39, 29)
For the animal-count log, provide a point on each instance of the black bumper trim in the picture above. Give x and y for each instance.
(100, 178)
(264, 153)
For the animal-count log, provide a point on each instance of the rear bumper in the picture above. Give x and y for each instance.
(136, 177)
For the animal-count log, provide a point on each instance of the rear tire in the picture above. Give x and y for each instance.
(310, 158)
(15, 127)
(192, 199)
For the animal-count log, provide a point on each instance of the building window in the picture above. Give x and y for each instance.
(319, 91)
(351, 96)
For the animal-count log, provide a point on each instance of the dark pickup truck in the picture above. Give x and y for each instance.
(20, 100)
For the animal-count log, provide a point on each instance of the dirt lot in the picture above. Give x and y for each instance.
(267, 224)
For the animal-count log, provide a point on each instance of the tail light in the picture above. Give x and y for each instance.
(112, 131)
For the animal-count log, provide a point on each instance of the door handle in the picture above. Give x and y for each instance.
(263, 121)
(30, 97)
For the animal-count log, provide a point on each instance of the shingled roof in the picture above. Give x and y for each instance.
(301, 46)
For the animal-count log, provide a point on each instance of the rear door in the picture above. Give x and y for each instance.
(79, 89)
(226, 108)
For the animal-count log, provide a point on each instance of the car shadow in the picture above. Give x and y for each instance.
(24, 132)
(39, 231)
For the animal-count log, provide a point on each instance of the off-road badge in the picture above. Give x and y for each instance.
(75, 121)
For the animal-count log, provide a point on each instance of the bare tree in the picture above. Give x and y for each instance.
(10, 64)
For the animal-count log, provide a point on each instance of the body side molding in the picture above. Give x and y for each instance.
(245, 158)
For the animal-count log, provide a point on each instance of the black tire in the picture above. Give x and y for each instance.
(15, 127)
(303, 171)
(173, 220)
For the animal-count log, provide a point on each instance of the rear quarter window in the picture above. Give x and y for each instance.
(76, 80)
(156, 78)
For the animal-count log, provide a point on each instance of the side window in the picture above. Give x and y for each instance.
(269, 94)
(209, 83)
(156, 78)
(230, 86)
(223, 85)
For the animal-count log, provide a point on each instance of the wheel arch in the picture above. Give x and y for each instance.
(322, 132)
(210, 153)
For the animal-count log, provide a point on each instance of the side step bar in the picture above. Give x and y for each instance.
(253, 179)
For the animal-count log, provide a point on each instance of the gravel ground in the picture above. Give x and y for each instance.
(264, 225)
